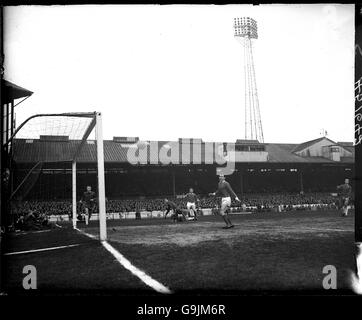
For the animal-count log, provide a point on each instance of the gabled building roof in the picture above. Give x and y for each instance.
(283, 153)
(307, 144)
(345, 145)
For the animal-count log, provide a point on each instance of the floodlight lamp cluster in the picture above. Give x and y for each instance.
(245, 27)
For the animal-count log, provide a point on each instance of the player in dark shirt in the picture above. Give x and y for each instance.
(176, 210)
(89, 201)
(226, 192)
(344, 193)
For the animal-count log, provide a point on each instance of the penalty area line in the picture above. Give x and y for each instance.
(154, 284)
(41, 250)
(32, 232)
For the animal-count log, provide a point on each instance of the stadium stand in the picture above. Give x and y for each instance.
(280, 176)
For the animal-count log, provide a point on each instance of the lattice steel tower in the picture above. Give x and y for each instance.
(245, 30)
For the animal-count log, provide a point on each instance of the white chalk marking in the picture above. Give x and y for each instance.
(40, 250)
(86, 234)
(154, 284)
(31, 232)
(326, 229)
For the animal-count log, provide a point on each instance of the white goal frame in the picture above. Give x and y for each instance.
(97, 124)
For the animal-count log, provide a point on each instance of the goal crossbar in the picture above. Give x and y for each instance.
(67, 114)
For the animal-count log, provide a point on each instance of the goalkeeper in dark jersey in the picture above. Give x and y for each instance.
(344, 193)
(226, 192)
(176, 210)
(89, 202)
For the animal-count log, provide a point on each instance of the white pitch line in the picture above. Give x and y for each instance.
(40, 250)
(154, 284)
(316, 229)
(30, 232)
(86, 234)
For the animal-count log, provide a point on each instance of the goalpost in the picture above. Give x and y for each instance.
(44, 149)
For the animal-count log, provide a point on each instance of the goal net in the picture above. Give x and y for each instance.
(54, 158)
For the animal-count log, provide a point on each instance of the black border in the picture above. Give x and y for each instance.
(239, 305)
(358, 147)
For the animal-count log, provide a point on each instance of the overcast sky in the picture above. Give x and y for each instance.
(164, 72)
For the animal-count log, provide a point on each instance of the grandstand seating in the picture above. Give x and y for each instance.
(255, 202)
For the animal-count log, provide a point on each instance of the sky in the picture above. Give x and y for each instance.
(176, 71)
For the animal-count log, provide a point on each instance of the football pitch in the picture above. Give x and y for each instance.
(265, 252)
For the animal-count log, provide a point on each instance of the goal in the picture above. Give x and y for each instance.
(45, 153)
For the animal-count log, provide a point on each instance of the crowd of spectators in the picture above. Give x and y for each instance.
(255, 202)
(288, 199)
(42, 207)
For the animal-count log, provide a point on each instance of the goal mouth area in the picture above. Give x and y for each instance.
(44, 153)
(44, 142)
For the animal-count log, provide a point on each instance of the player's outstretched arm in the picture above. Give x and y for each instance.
(214, 193)
(231, 191)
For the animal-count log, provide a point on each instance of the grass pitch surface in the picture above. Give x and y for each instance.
(266, 252)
